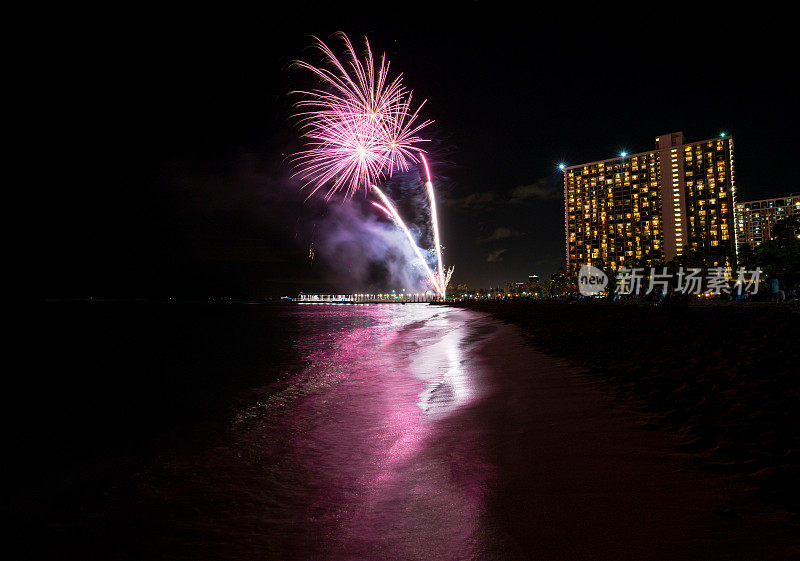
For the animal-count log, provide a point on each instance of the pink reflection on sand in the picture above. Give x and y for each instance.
(378, 430)
(429, 479)
(438, 364)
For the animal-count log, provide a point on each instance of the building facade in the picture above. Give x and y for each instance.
(652, 206)
(756, 220)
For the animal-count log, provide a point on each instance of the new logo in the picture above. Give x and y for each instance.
(591, 280)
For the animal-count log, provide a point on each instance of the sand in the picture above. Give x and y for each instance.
(580, 476)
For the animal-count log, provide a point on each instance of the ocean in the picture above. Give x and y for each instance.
(239, 430)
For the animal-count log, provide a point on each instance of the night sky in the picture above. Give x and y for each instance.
(158, 141)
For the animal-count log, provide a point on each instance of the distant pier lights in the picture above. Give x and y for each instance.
(393, 297)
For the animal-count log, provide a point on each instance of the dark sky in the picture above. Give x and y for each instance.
(158, 141)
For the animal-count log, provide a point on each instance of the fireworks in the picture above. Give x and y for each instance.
(359, 125)
(402, 225)
(441, 279)
(383, 209)
(435, 221)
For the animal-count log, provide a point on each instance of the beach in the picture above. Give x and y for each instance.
(363, 432)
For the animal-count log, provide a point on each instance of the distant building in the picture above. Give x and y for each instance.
(651, 206)
(515, 288)
(756, 220)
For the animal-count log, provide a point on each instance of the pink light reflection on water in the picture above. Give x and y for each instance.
(373, 452)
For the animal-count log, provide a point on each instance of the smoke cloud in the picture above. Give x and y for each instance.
(367, 251)
(254, 215)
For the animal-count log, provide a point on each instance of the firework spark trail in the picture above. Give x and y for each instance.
(399, 221)
(383, 209)
(435, 220)
(359, 130)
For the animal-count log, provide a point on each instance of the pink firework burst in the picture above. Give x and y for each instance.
(359, 125)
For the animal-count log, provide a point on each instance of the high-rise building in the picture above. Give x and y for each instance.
(756, 220)
(651, 206)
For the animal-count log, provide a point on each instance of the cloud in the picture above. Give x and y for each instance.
(473, 201)
(502, 233)
(539, 190)
(481, 201)
(496, 256)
